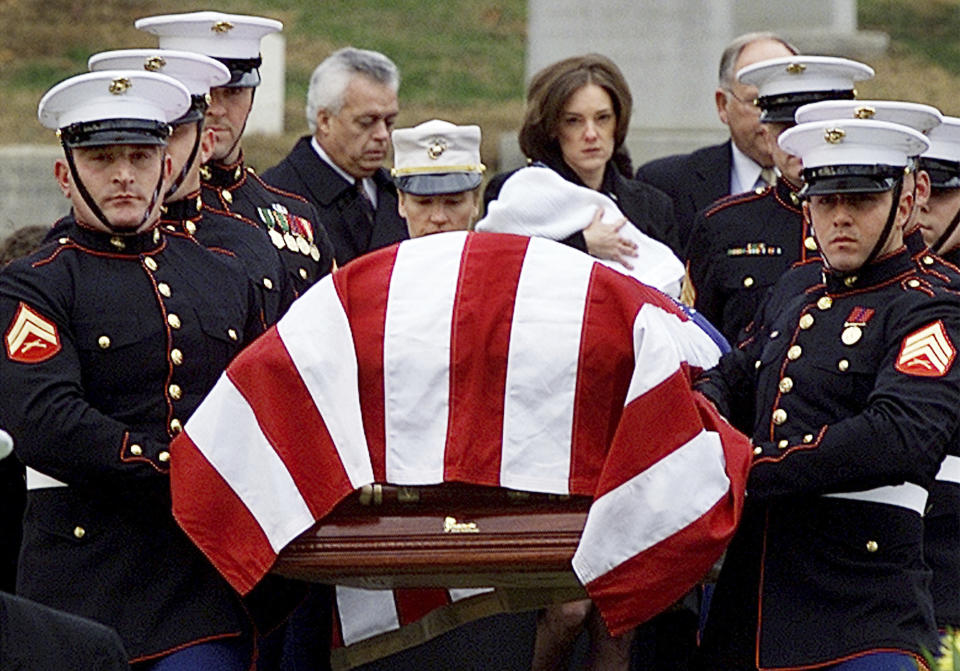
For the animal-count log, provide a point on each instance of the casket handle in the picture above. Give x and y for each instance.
(371, 495)
(451, 526)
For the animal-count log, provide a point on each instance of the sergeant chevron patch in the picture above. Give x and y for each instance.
(926, 352)
(31, 338)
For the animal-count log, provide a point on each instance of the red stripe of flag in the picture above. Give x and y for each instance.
(202, 501)
(652, 580)
(604, 371)
(413, 604)
(479, 347)
(363, 287)
(266, 377)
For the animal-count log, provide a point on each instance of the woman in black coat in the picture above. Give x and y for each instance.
(578, 112)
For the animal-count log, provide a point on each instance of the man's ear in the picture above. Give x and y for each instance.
(207, 143)
(323, 121)
(720, 97)
(904, 208)
(401, 204)
(61, 171)
(923, 187)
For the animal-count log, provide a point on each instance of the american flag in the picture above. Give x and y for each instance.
(482, 358)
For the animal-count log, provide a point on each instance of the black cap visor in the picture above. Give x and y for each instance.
(831, 179)
(244, 72)
(943, 174)
(430, 185)
(198, 109)
(782, 107)
(115, 131)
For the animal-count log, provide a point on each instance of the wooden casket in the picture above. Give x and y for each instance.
(448, 535)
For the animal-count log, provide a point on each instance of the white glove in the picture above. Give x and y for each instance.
(6, 444)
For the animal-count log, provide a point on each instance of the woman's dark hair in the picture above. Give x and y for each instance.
(551, 88)
(21, 242)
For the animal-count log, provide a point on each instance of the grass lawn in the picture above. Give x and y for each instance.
(463, 61)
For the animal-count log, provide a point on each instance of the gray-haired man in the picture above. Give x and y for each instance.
(351, 107)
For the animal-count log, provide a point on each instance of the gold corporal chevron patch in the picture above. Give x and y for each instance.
(927, 352)
(31, 338)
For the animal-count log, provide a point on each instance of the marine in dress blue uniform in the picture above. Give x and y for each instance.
(851, 382)
(113, 333)
(939, 219)
(183, 209)
(290, 221)
(741, 245)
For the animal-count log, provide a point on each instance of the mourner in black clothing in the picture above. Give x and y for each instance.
(695, 180)
(351, 107)
(741, 245)
(850, 382)
(576, 121)
(293, 225)
(115, 331)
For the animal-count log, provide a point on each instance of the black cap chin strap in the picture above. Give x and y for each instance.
(888, 226)
(186, 166)
(938, 246)
(94, 208)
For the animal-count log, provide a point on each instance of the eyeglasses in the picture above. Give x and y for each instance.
(749, 103)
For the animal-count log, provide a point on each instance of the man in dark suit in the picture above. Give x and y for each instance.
(696, 180)
(351, 107)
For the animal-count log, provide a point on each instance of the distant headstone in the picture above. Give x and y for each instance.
(29, 194)
(670, 52)
(266, 117)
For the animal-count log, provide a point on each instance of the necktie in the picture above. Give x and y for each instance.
(366, 207)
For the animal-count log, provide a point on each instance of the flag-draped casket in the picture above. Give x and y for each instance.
(477, 358)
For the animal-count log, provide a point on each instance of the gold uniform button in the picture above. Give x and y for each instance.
(104, 342)
(175, 425)
(63, 241)
(156, 235)
(779, 416)
(173, 320)
(176, 356)
(774, 335)
(163, 457)
(748, 281)
(825, 303)
(851, 335)
(191, 227)
(79, 532)
(170, 227)
(118, 242)
(872, 546)
(175, 392)
(810, 243)
(928, 260)
(758, 450)
(757, 363)
(759, 190)
(232, 334)
(150, 263)
(808, 438)
(136, 450)
(850, 281)
(303, 273)
(227, 196)
(164, 290)
(913, 284)
(806, 321)
(268, 283)
(786, 385)
(794, 352)
(783, 444)
(843, 365)
(238, 172)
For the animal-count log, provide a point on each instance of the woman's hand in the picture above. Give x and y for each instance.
(604, 241)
